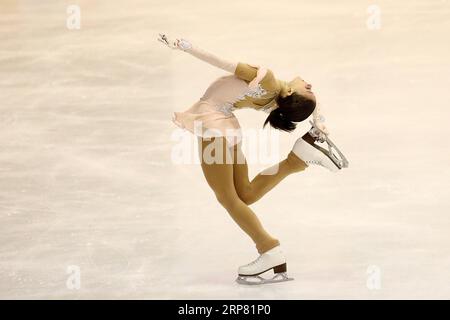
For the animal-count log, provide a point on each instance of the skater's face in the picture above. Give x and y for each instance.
(302, 88)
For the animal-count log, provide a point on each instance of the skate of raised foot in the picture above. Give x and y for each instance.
(249, 274)
(311, 153)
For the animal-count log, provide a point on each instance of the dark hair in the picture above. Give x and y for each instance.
(291, 109)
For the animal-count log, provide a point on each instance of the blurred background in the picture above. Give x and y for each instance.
(92, 206)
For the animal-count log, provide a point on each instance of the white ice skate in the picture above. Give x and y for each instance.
(306, 149)
(249, 274)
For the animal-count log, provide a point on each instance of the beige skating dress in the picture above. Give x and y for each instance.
(250, 86)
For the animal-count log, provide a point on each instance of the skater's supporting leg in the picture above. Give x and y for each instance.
(220, 178)
(265, 181)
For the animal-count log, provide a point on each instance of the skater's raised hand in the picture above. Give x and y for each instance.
(180, 44)
(171, 43)
(322, 127)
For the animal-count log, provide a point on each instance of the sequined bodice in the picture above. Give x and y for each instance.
(229, 93)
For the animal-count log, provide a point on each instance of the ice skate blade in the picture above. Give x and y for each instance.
(279, 277)
(333, 152)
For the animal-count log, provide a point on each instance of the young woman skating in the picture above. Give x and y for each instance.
(212, 120)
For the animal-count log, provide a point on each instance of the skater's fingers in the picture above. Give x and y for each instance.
(325, 130)
(162, 37)
(321, 127)
(172, 44)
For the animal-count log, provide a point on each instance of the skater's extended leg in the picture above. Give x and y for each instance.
(220, 178)
(266, 180)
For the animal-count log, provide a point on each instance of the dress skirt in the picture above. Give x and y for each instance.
(212, 115)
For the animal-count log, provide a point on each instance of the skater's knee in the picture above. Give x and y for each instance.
(247, 195)
(295, 163)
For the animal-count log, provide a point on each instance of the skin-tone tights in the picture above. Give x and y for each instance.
(226, 172)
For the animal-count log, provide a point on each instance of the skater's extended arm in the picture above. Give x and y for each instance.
(253, 74)
(199, 53)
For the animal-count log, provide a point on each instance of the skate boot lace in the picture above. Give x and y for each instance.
(254, 262)
(317, 162)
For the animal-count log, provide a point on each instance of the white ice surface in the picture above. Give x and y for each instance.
(86, 177)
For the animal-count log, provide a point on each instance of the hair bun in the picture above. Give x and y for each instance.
(291, 109)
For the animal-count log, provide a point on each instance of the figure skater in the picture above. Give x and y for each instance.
(212, 120)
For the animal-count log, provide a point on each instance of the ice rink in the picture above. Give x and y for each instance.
(93, 207)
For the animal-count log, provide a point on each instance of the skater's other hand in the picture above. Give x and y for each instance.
(321, 127)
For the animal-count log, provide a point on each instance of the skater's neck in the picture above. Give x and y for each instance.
(283, 87)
